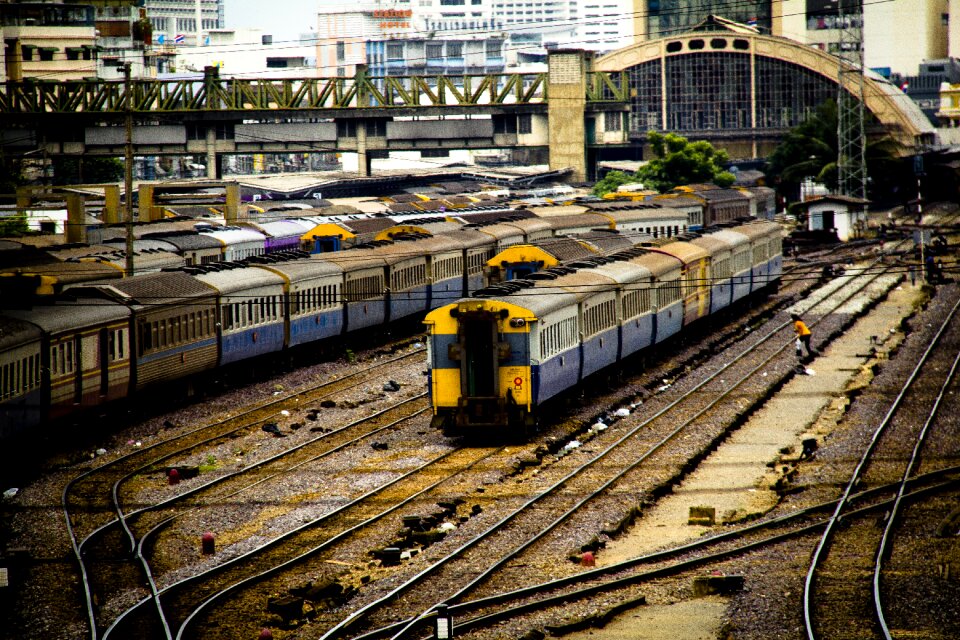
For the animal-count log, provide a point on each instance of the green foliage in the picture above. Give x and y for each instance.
(678, 162)
(611, 181)
(87, 170)
(810, 150)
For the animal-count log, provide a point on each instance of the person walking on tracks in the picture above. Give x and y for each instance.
(803, 336)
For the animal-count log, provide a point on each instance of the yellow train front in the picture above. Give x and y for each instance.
(480, 374)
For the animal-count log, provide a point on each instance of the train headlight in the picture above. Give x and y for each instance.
(516, 323)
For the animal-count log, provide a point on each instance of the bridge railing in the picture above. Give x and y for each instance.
(292, 94)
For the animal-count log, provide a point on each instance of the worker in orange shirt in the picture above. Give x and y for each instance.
(803, 335)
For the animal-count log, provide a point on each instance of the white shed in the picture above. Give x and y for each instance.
(844, 214)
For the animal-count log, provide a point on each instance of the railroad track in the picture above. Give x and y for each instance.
(619, 582)
(846, 577)
(103, 543)
(144, 518)
(568, 497)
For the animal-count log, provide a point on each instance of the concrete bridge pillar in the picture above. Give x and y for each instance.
(211, 147)
(567, 88)
(76, 230)
(111, 204)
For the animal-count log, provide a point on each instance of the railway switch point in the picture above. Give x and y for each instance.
(208, 543)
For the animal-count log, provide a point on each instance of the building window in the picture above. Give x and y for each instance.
(612, 121)
(524, 123)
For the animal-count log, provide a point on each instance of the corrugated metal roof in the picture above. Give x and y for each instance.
(68, 315)
(565, 249)
(15, 332)
(162, 288)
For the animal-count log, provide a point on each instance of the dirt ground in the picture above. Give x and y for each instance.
(736, 479)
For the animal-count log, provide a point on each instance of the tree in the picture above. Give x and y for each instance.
(677, 162)
(810, 150)
(86, 170)
(611, 181)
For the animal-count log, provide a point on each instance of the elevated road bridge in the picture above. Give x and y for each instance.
(737, 89)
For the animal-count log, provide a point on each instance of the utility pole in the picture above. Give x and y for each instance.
(128, 165)
(851, 137)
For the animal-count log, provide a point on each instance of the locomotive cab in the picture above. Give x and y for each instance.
(478, 382)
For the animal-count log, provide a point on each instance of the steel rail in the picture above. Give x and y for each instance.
(888, 530)
(855, 477)
(77, 545)
(337, 630)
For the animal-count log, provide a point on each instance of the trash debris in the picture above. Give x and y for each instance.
(10, 493)
(271, 427)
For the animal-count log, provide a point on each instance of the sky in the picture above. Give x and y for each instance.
(296, 16)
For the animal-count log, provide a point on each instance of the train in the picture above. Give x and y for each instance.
(99, 337)
(499, 356)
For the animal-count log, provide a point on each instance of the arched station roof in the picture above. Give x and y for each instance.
(727, 80)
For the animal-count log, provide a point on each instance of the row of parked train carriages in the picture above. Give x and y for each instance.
(99, 336)
(498, 355)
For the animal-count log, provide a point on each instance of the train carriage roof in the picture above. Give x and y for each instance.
(729, 236)
(610, 241)
(154, 289)
(16, 332)
(646, 214)
(584, 283)
(758, 229)
(353, 259)
(73, 272)
(281, 228)
(625, 272)
(566, 248)
(502, 230)
(305, 269)
(69, 315)
(716, 245)
(188, 240)
(243, 279)
(658, 264)
(530, 225)
(235, 235)
(541, 300)
(686, 251)
(580, 221)
(470, 238)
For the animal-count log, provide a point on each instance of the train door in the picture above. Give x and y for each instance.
(478, 362)
(104, 339)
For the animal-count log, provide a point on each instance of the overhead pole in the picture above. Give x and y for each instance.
(128, 166)
(851, 133)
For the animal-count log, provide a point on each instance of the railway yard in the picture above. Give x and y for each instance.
(716, 470)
